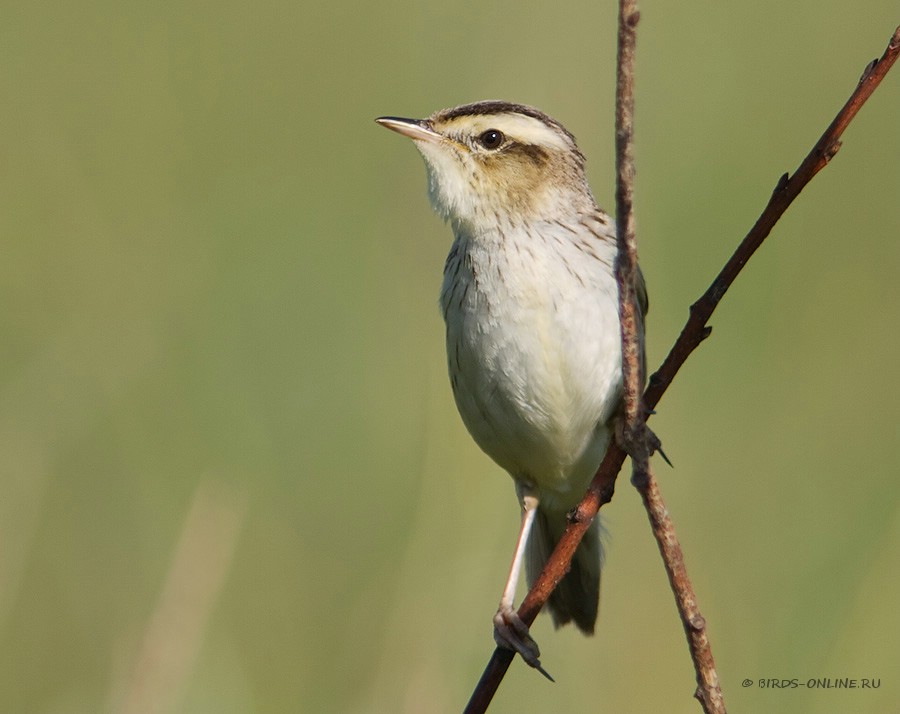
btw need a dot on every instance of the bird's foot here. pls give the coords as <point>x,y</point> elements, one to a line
<point>513,634</point>
<point>628,441</point>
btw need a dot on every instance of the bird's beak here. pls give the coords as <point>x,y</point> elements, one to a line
<point>415,129</point>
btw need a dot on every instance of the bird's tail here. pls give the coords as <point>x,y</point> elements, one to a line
<point>577,596</point>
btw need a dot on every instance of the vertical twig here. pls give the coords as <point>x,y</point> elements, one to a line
<point>627,262</point>
<point>708,691</point>
<point>635,433</point>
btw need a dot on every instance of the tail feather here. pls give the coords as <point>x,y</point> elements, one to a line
<point>577,597</point>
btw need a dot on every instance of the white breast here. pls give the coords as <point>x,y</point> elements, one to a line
<point>534,350</point>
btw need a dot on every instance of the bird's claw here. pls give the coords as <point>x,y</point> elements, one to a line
<point>626,441</point>
<point>513,634</point>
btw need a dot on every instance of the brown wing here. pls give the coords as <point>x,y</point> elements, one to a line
<point>641,290</point>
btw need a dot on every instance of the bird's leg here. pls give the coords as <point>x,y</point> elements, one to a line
<point>509,630</point>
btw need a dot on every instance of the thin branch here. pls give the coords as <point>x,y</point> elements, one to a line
<point>694,332</point>
<point>627,262</point>
<point>787,189</point>
<point>635,434</point>
<point>708,691</point>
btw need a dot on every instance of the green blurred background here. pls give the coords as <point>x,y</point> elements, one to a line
<point>232,476</point>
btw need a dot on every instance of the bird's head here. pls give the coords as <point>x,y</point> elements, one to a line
<point>495,161</point>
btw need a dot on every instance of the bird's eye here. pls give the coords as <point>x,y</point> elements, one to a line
<point>491,139</point>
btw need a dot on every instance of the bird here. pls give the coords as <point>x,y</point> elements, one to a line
<point>530,304</point>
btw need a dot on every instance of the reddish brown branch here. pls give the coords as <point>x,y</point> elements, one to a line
<point>627,261</point>
<point>635,434</point>
<point>694,332</point>
<point>787,189</point>
<point>708,691</point>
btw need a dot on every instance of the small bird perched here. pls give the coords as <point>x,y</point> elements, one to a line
<point>530,303</point>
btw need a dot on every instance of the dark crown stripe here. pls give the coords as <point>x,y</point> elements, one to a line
<point>496,106</point>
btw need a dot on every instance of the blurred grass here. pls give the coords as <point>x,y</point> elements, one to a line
<point>219,273</point>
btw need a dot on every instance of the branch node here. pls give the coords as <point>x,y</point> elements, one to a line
<point>698,622</point>
<point>782,183</point>
<point>828,154</point>
<point>640,479</point>
<point>706,332</point>
<point>868,70</point>
<point>579,514</point>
